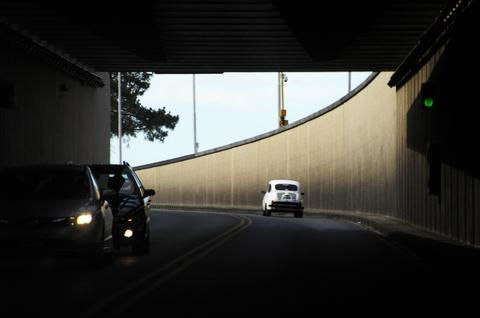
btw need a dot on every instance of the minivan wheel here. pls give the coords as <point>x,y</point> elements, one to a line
<point>141,245</point>
<point>116,243</point>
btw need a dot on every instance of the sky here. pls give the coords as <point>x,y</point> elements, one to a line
<point>230,107</point>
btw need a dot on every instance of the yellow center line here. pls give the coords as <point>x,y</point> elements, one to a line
<point>161,275</point>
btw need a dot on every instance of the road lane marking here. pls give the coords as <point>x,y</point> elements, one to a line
<point>126,297</point>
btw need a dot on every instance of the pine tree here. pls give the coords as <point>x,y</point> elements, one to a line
<point>137,118</point>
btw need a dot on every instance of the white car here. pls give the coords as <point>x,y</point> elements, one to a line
<point>283,196</point>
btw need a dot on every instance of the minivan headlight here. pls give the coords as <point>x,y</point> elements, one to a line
<point>85,218</point>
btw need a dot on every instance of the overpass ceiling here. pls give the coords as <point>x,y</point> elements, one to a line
<point>209,36</point>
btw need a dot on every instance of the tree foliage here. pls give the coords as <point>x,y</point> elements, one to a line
<point>137,118</point>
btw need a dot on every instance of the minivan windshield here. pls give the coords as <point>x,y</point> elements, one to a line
<point>45,184</point>
<point>113,178</point>
<point>283,187</point>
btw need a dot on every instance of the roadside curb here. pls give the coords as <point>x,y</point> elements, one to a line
<point>426,245</point>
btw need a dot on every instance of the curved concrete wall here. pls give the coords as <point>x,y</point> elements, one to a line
<point>344,158</point>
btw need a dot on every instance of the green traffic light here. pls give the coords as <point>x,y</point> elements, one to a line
<point>428,102</point>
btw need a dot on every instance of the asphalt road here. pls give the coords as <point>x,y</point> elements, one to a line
<point>238,265</point>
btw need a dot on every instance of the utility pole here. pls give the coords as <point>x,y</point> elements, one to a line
<point>281,100</point>
<point>279,78</point>
<point>195,144</point>
<point>120,117</point>
<point>349,82</point>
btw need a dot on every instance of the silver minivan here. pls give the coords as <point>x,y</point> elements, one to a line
<point>55,209</point>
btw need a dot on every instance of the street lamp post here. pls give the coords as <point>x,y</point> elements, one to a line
<point>195,144</point>
<point>282,112</point>
<point>279,98</point>
<point>349,82</point>
<point>120,117</point>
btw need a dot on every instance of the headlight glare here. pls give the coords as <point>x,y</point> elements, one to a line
<point>84,219</point>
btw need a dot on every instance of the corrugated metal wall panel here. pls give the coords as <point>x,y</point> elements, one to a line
<point>476,210</point>
<point>454,213</point>
<point>48,124</point>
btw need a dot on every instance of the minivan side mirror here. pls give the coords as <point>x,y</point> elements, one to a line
<point>148,193</point>
<point>263,192</point>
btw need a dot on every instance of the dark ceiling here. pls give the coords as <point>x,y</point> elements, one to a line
<point>207,36</point>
